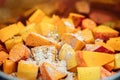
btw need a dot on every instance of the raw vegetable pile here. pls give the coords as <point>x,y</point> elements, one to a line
<point>54,48</point>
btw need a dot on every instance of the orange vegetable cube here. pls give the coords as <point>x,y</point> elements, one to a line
<point>49,72</point>
<point>9,66</point>
<point>73,40</point>
<point>3,57</point>
<point>19,52</point>
<point>37,16</point>
<point>87,36</point>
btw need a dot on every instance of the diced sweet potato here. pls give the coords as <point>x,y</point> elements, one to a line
<point>88,24</point>
<point>104,32</point>
<point>73,40</point>
<point>29,28</point>
<point>9,31</point>
<point>49,72</point>
<point>3,56</point>
<point>19,52</point>
<point>11,42</point>
<point>68,54</point>
<point>96,58</point>
<point>37,16</point>
<point>114,43</point>
<point>34,39</point>
<point>9,66</point>
<point>110,66</point>
<point>77,18</point>
<point>27,70</point>
<point>87,36</point>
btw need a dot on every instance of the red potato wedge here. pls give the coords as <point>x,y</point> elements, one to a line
<point>49,72</point>
<point>19,52</point>
<point>3,57</point>
<point>99,48</point>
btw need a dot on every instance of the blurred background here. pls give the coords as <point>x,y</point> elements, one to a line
<point>12,11</point>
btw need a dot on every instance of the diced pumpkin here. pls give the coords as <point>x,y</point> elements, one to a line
<point>37,16</point>
<point>73,40</point>
<point>88,73</point>
<point>110,66</point>
<point>27,70</point>
<point>29,28</point>
<point>3,57</point>
<point>11,42</point>
<point>96,58</point>
<point>34,39</point>
<point>117,61</point>
<point>68,54</point>
<point>9,31</point>
<point>104,32</point>
<point>49,72</point>
<point>19,52</point>
<point>114,43</point>
<point>87,36</point>
<point>9,66</point>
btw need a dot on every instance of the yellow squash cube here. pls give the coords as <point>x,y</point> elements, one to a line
<point>11,42</point>
<point>27,70</point>
<point>88,73</point>
<point>117,61</point>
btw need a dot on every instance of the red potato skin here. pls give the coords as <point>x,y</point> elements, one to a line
<point>98,48</point>
<point>103,49</point>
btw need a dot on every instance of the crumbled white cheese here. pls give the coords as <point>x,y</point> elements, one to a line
<point>78,36</point>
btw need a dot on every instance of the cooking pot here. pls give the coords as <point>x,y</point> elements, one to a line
<point>12,11</point>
